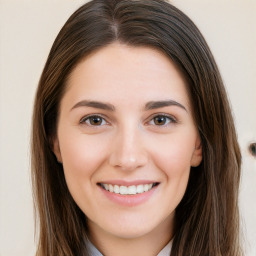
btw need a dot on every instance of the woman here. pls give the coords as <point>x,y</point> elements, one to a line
<point>134,150</point>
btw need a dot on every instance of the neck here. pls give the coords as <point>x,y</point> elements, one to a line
<point>149,244</point>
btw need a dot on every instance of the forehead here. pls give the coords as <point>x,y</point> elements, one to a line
<point>122,72</point>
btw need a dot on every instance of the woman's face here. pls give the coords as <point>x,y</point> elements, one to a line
<point>127,139</point>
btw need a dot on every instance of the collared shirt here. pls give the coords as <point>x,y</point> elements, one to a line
<point>166,251</point>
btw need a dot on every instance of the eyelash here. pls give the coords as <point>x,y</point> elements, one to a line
<point>167,117</point>
<point>172,120</point>
<point>86,118</point>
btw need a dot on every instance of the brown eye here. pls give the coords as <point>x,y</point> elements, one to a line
<point>162,120</point>
<point>94,121</point>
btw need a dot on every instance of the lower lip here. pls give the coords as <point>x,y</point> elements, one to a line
<point>129,200</point>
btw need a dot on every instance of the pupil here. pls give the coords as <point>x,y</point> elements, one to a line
<point>96,120</point>
<point>160,120</point>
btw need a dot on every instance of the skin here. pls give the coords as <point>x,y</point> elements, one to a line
<point>127,144</point>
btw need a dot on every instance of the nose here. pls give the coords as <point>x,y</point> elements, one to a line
<point>128,151</point>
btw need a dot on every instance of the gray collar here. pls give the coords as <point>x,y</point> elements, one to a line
<point>166,251</point>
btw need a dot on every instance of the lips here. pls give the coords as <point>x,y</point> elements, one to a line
<point>128,190</point>
<point>129,193</point>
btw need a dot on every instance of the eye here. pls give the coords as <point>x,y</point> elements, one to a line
<point>161,120</point>
<point>93,120</point>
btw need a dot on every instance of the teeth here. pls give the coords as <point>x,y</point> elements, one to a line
<point>116,189</point>
<point>130,190</point>
<point>146,187</point>
<point>140,189</point>
<point>110,188</point>
<point>123,190</point>
<point>106,186</point>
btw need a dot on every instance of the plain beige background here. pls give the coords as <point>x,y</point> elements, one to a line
<point>27,31</point>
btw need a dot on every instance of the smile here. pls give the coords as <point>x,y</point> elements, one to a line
<point>128,190</point>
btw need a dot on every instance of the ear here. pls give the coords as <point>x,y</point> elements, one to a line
<point>56,149</point>
<point>197,154</point>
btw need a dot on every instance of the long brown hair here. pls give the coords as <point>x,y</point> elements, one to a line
<point>207,218</point>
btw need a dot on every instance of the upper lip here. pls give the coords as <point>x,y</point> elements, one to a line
<point>127,183</point>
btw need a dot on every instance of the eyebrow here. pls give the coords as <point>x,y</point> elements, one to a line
<point>107,106</point>
<point>94,104</point>
<point>165,103</point>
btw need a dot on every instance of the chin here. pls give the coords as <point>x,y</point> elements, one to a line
<point>131,228</point>
<point>130,232</point>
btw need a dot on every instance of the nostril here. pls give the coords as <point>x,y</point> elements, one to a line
<point>128,161</point>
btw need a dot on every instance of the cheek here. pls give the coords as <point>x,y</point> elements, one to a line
<point>81,154</point>
<point>173,154</point>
